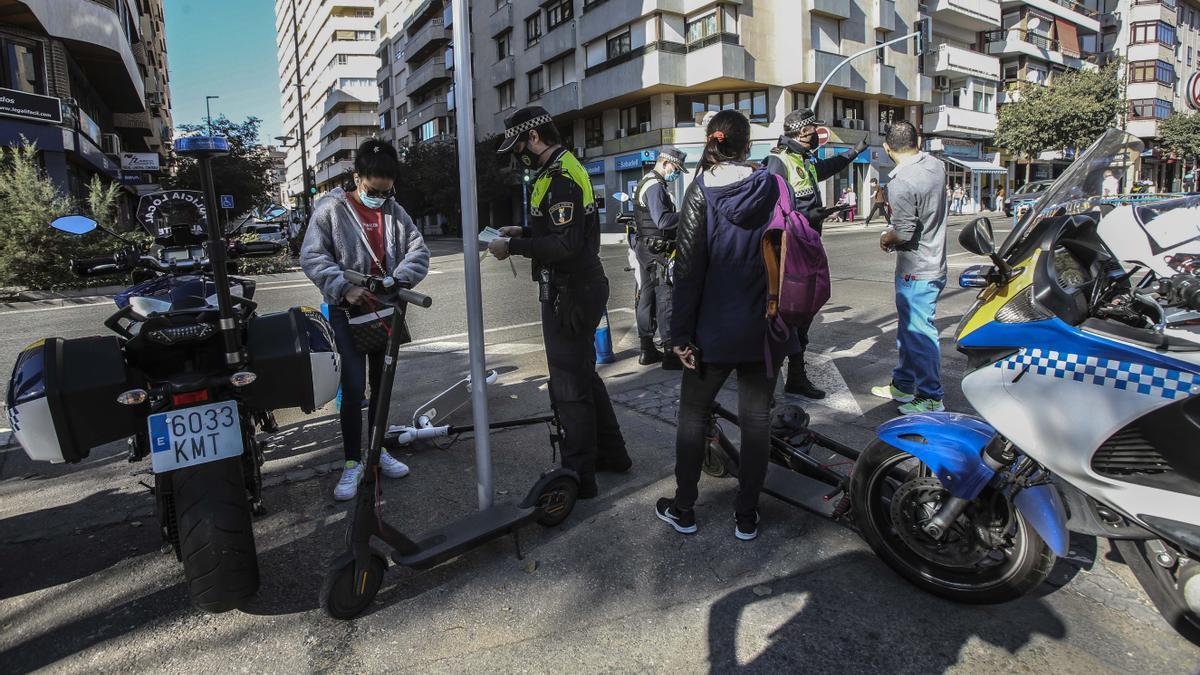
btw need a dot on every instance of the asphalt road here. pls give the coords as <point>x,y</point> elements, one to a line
<point>84,585</point>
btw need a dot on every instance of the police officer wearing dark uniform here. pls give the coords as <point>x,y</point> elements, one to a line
<point>793,159</point>
<point>654,242</point>
<point>563,239</point>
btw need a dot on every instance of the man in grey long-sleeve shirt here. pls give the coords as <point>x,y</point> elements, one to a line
<point>918,237</point>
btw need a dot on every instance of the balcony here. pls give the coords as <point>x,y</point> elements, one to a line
<point>1016,41</point>
<point>335,171</point>
<point>433,35</point>
<point>429,111</point>
<point>349,119</point>
<point>823,63</point>
<point>885,80</point>
<point>715,58</point>
<point>427,77</point>
<point>954,61</point>
<point>562,100</point>
<point>1151,11</point>
<point>885,15</point>
<point>966,15</point>
<point>655,64</point>
<point>503,71</point>
<point>1076,12</point>
<point>648,139</point>
<point>557,42</point>
<point>343,144</point>
<point>959,122</point>
<point>838,9</point>
<point>500,21</point>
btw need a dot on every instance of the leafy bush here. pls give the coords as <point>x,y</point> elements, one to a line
<point>280,262</point>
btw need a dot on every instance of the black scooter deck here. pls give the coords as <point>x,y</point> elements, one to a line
<point>798,490</point>
<point>456,538</point>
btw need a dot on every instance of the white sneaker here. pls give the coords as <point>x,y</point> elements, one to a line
<point>347,486</point>
<point>392,467</point>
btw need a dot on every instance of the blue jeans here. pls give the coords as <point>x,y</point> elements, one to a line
<point>355,373</point>
<point>920,366</point>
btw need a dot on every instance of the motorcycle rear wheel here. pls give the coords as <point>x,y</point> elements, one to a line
<point>216,534</point>
<point>1000,574</point>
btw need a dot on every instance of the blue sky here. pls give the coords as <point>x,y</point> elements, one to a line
<point>224,48</point>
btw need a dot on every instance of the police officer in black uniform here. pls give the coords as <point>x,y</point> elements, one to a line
<point>563,239</point>
<point>794,158</point>
<point>654,242</point>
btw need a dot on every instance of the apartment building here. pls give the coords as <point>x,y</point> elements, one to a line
<point>626,77</point>
<point>1159,42</point>
<point>416,75</point>
<point>338,99</point>
<point>87,81</point>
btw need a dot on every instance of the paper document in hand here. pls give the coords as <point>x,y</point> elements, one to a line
<point>488,234</point>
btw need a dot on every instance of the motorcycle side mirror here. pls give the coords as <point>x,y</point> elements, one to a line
<point>77,225</point>
<point>975,276</point>
<point>977,237</point>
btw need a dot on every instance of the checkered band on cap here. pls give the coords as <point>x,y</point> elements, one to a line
<point>798,120</point>
<point>527,125</point>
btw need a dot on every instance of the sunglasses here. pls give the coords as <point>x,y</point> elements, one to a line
<point>380,194</point>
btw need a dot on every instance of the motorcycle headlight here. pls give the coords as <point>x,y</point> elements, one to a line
<point>1022,309</point>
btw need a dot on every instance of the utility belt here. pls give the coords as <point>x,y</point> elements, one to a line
<point>551,281</point>
<point>658,245</point>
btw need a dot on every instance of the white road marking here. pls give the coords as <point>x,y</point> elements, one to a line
<point>497,329</point>
<point>60,307</point>
<point>503,348</point>
<point>825,374</point>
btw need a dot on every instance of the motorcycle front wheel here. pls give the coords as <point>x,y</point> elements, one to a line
<point>216,534</point>
<point>989,554</point>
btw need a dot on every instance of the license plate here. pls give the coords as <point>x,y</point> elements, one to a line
<point>192,436</point>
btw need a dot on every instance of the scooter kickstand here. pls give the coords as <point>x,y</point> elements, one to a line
<point>516,536</point>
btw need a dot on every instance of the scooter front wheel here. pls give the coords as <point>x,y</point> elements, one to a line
<point>557,500</point>
<point>346,593</point>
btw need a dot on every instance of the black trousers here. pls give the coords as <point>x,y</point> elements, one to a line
<point>699,390</point>
<point>590,427</point>
<point>654,296</point>
<point>357,370</point>
<point>879,208</point>
<point>795,362</point>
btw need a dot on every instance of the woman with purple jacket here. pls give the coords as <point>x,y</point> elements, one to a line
<point>719,317</point>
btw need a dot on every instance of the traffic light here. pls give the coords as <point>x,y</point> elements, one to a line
<point>923,28</point>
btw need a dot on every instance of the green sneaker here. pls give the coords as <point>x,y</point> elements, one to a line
<point>892,394</point>
<point>922,405</point>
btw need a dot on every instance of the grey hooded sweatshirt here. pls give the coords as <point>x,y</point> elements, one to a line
<point>333,243</point>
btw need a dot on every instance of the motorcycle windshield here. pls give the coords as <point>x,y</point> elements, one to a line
<point>1107,163</point>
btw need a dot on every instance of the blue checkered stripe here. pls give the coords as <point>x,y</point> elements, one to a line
<point>1140,378</point>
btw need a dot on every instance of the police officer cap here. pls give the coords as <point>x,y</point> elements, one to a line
<point>517,126</point>
<point>674,156</point>
<point>798,119</point>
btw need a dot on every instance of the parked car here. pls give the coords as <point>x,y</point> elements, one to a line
<point>1030,191</point>
<point>265,231</point>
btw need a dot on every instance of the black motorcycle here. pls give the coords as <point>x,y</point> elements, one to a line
<point>190,376</point>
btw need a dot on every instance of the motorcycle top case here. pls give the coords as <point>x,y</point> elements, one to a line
<point>62,398</point>
<point>294,355</point>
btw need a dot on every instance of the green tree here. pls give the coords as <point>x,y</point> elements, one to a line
<point>429,180</point>
<point>244,173</point>
<point>1181,134</point>
<point>1076,108</point>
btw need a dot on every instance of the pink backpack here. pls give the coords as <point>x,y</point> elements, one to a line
<point>797,267</point>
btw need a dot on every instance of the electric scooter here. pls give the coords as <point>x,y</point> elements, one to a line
<point>354,579</point>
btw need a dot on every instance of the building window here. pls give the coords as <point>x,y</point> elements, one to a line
<point>619,44</point>
<point>983,101</point>
<point>1150,108</point>
<point>848,109</point>
<point>1145,32</point>
<point>801,99</point>
<point>561,71</point>
<point>506,96</point>
<point>558,13</point>
<point>690,109</point>
<point>385,120</point>
<point>364,35</point>
<point>699,29</point>
<point>1152,71</point>
<point>427,130</point>
<point>1189,59</point>
<point>635,118</point>
<point>24,69</point>
<point>889,114</point>
<point>342,59</point>
<point>593,132</point>
<point>535,84</point>
<point>533,29</point>
<point>504,45</point>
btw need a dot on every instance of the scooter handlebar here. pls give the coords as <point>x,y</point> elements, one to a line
<point>379,285</point>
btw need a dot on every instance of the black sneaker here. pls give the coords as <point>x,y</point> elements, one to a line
<point>682,520</point>
<point>747,526</point>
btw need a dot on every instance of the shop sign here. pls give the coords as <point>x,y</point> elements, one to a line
<point>28,106</point>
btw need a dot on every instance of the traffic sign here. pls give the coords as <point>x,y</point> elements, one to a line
<point>227,201</point>
<point>822,135</point>
<point>1192,93</point>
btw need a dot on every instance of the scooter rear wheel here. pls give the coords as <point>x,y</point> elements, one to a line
<point>557,500</point>
<point>344,594</point>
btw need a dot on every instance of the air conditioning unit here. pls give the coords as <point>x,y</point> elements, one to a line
<point>621,133</point>
<point>110,144</point>
<point>941,83</point>
<point>644,127</point>
<point>861,125</point>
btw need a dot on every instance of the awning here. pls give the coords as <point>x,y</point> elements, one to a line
<point>975,166</point>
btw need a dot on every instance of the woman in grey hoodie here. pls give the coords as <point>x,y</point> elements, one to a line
<point>365,231</point>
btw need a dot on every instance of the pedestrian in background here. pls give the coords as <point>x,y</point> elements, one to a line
<point>918,238</point>
<point>851,199</point>
<point>363,231</point>
<point>1000,195</point>
<point>878,203</point>
<point>956,200</point>
<point>718,322</point>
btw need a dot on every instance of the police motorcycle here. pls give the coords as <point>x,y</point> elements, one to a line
<point>192,372</point>
<point>1084,355</point>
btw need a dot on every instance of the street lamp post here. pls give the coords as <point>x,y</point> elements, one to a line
<point>304,199</point>
<point>208,109</point>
